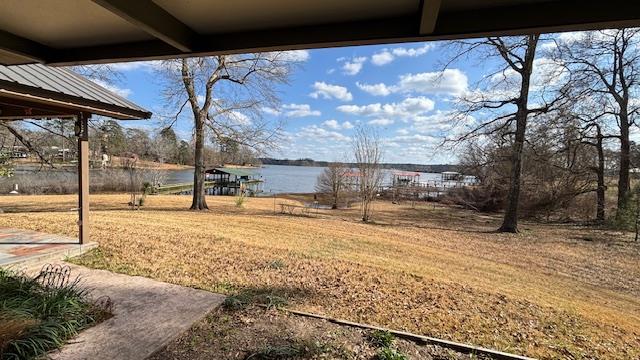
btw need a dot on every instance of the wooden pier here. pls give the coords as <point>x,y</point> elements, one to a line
<point>405,185</point>
<point>219,181</point>
<point>183,188</point>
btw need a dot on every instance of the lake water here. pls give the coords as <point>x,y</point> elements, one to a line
<point>283,178</point>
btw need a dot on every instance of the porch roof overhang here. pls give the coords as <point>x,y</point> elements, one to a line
<point>38,91</point>
<point>66,32</point>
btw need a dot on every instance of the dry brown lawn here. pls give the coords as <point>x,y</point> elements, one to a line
<point>553,291</point>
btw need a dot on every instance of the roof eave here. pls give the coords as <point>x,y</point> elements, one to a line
<point>16,90</point>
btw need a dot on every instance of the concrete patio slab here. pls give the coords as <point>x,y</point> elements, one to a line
<point>24,248</point>
<point>148,314</point>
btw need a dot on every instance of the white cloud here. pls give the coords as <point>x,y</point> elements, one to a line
<point>449,81</point>
<point>386,56</point>
<point>297,55</point>
<point>440,121</point>
<point>271,111</point>
<point>404,110</point>
<point>332,124</point>
<point>547,72</point>
<point>113,88</point>
<point>238,118</point>
<point>381,122</point>
<point>379,89</point>
<point>294,55</point>
<point>353,66</point>
<point>412,52</point>
<point>382,58</point>
<point>424,140</point>
<point>571,37</point>
<point>316,133</point>
<point>299,110</point>
<point>335,125</point>
<point>329,91</point>
<point>347,125</point>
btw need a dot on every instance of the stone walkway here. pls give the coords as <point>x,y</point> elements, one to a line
<point>19,248</point>
<point>148,314</point>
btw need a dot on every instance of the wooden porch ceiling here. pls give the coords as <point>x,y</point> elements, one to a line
<point>67,32</point>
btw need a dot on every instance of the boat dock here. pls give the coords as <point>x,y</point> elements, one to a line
<point>219,181</point>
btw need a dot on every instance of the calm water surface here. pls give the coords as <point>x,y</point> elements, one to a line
<point>282,178</point>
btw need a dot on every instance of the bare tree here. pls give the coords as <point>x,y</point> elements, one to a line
<point>594,132</point>
<point>605,65</point>
<point>333,182</point>
<point>225,94</point>
<point>506,103</point>
<point>367,150</point>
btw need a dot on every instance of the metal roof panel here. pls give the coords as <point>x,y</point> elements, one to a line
<point>67,83</point>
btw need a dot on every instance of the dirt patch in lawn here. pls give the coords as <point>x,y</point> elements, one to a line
<point>258,333</point>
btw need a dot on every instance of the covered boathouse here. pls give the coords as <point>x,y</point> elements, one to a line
<point>231,180</point>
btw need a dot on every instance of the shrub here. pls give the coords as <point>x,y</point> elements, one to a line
<point>240,200</point>
<point>35,319</point>
<point>66,181</point>
<point>626,217</point>
<point>480,198</point>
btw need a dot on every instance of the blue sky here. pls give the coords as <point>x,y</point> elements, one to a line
<point>397,89</point>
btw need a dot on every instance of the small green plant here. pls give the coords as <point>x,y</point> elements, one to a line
<point>277,264</point>
<point>235,302</point>
<point>390,354</point>
<point>270,352</point>
<point>240,199</point>
<point>627,217</point>
<point>381,338</point>
<point>147,188</point>
<point>244,299</point>
<point>35,318</point>
<point>297,349</point>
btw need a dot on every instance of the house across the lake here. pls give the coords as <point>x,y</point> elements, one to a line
<point>231,180</point>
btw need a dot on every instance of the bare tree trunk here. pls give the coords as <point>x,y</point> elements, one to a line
<point>623,176</point>
<point>199,202</point>
<point>600,192</point>
<point>510,221</point>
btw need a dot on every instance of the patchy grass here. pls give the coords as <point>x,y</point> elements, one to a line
<point>248,297</point>
<point>546,292</point>
<point>390,354</point>
<point>254,333</point>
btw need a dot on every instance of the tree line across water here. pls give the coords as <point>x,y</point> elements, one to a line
<point>436,168</point>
